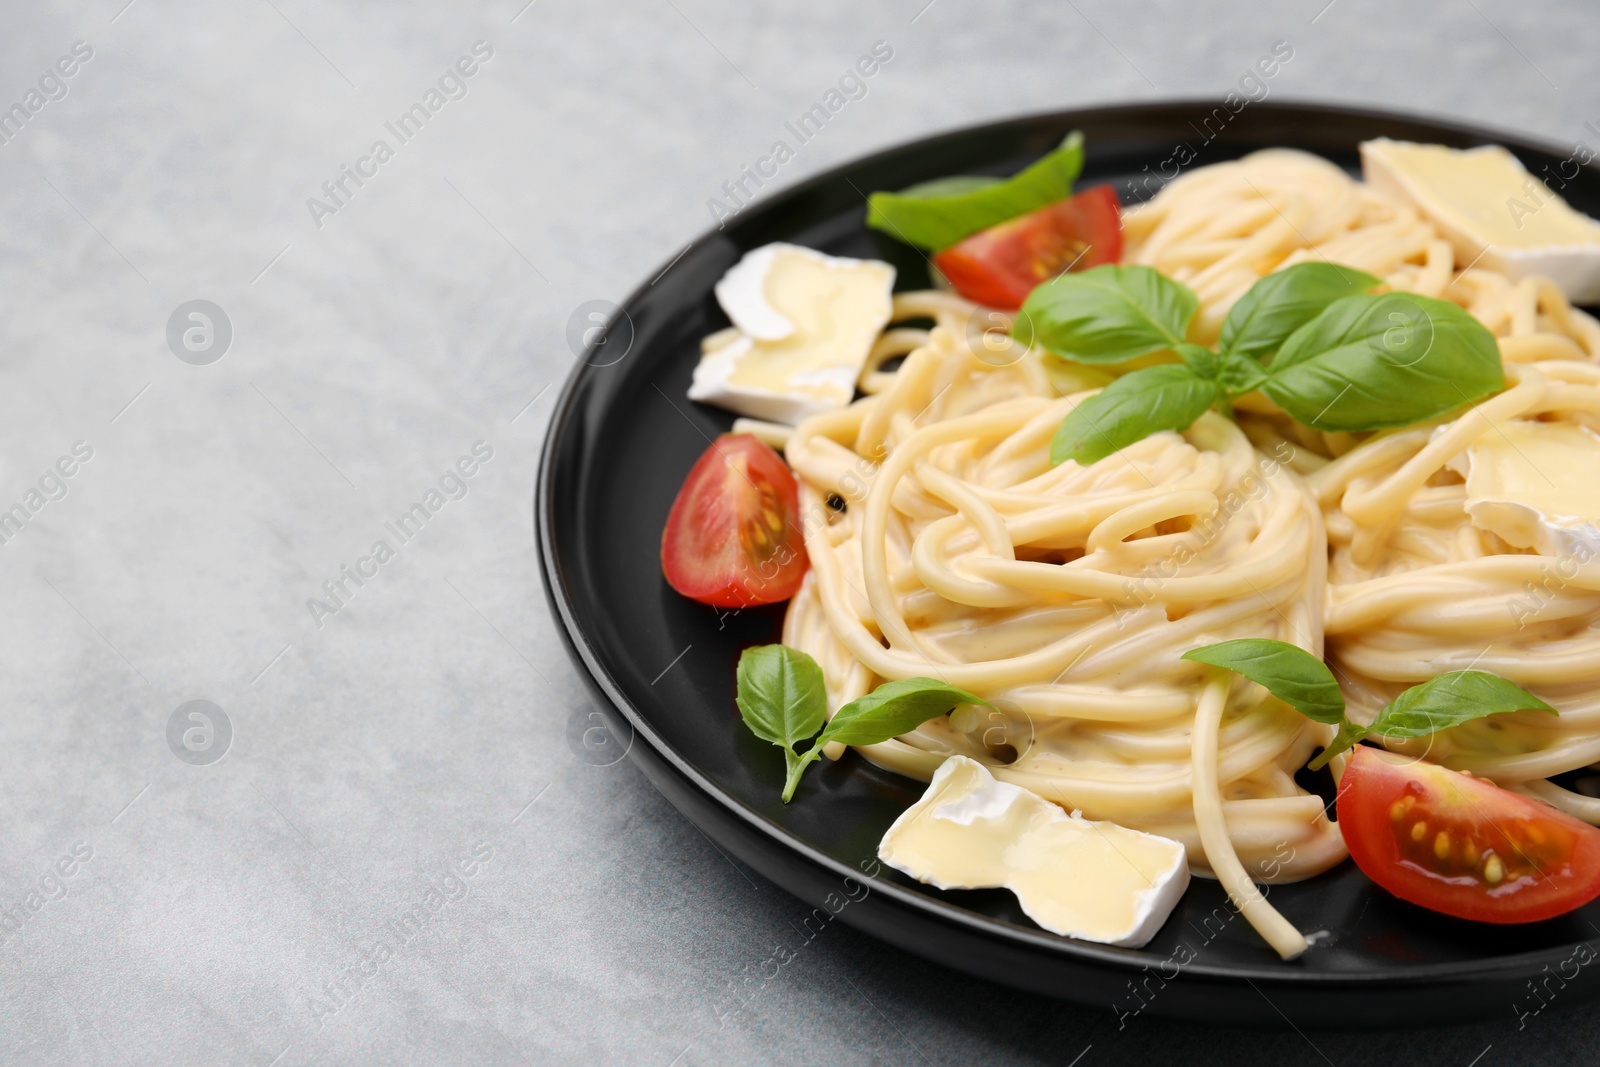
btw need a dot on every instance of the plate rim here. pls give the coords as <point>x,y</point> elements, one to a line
<point>580,644</point>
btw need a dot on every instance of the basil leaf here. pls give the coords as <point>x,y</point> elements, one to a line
<point>1446,701</point>
<point>1450,700</point>
<point>1289,672</point>
<point>1282,302</point>
<point>955,185</point>
<point>1106,314</point>
<point>934,216</point>
<point>1372,362</point>
<point>780,694</point>
<point>892,709</point>
<point>1136,405</point>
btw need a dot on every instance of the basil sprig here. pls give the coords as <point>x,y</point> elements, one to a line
<point>1310,337</point>
<point>782,700</point>
<point>935,215</point>
<point>781,697</point>
<point>1304,682</point>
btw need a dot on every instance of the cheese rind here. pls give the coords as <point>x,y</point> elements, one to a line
<point>742,292</point>
<point>1091,880</point>
<point>804,324</point>
<point>1534,485</point>
<point>1492,211</point>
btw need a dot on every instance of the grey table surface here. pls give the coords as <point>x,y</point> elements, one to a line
<point>402,750</point>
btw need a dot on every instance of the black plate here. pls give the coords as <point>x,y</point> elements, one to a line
<point>621,440</point>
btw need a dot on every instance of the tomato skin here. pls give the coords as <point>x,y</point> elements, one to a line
<point>1528,861</point>
<point>1000,266</point>
<point>733,537</point>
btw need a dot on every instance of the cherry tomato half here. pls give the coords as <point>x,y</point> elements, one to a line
<point>1461,845</point>
<point>733,536</point>
<point>1000,266</point>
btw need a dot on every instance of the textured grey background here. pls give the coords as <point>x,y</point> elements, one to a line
<point>225,912</point>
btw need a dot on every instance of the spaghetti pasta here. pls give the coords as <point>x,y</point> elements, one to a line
<point>1063,595</point>
<point>944,543</point>
<point>1415,589</point>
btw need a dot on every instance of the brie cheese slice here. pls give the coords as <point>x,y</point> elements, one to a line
<point>1092,880</point>
<point>804,324</point>
<point>1535,485</point>
<point>1492,210</point>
